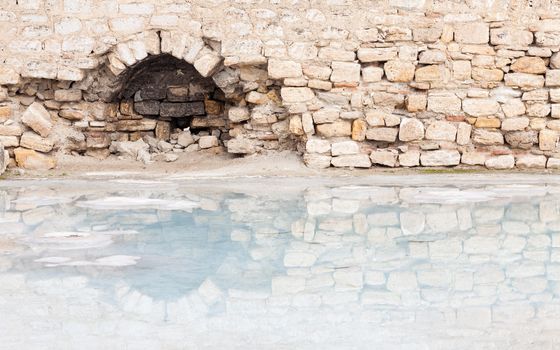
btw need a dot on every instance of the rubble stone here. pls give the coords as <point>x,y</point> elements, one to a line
<point>38,119</point>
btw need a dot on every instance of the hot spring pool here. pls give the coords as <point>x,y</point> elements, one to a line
<point>279,264</point>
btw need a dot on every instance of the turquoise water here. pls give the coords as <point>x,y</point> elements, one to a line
<point>279,264</point>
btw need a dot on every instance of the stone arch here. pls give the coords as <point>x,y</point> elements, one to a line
<point>194,50</point>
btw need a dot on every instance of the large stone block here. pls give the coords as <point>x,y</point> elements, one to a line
<point>487,137</point>
<point>147,107</point>
<point>35,142</point>
<point>527,64</point>
<point>480,107</point>
<point>384,157</point>
<point>514,124</point>
<point>296,94</point>
<point>432,73</point>
<point>441,131</point>
<point>344,147</point>
<point>317,161</point>
<point>548,140</point>
<point>345,72</point>
<point>337,129</point>
<point>411,129</point>
<point>500,162</point>
<point>472,33</point>
<point>181,109</point>
<point>315,145</point>
<point>377,54</point>
<point>524,80</point>
<point>241,146</point>
<point>38,119</point>
<point>353,161</point>
<point>531,161</point>
<point>512,37</point>
<point>33,160</point>
<point>326,115</point>
<point>280,69</point>
<point>440,158</point>
<point>522,139</point>
<point>399,71</point>
<point>553,77</point>
<point>445,103</point>
<point>382,134</point>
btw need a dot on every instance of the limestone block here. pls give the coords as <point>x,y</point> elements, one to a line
<point>513,107</point>
<point>326,115</point>
<point>337,129</point>
<point>208,142</point>
<point>136,125</point>
<point>524,80</point>
<point>487,122</point>
<point>427,35</point>
<point>510,37</point>
<point>399,71</point>
<point>411,129</point>
<point>555,111</point>
<point>548,140</point>
<point>377,54</point>
<point>317,161</point>
<point>147,107</point>
<point>372,74</point>
<point>127,25</point>
<point>296,94</point>
<point>307,123</point>
<point>553,77</point>
<point>527,64</point>
<point>486,74</point>
<point>336,54</point>
<point>392,120</point>
<point>38,118</point>
<point>319,84</point>
<point>513,124</point>
<point>474,158</point>
<point>555,61</point>
<point>445,103</point>
<point>410,158</point>
<point>384,157</point>
<point>463,134</point>
<point>344,147</point>
<point>353,160</point>
<point>376,117</point>
<point>207,64</point>
<point>440,158</point>
<point>432,73</point>
<point>531,161</point>
<point>480,107</point>
<point>416,102</point>
<point>35,142</point>
<point>500,162</point>
<point>279,69</point>
<point>8,76</point>
<point>315,145</point>
<point>33,160</point>
<point>238,114</point>
<point>11,130</point>
<point>163,130</point>
<point>296,125</point>
<point>539,95</point>
<point>382,134</point>
<point>9,141</point>
<point>316,72</point>
<point>441,131</point>
<point>522,139</point>
<point>359,128</point>
<point>472,33</point>
<point>553,163</point>
<point>185,138</point>
<point>487,137</point>
<point>241,146</point>
<point>432,57</point>
<point>461,70</point>
<point>345,72</point>
<point>537,109</point>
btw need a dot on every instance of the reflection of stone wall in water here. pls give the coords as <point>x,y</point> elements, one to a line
<point>470,259</point>
<point>410,83</point>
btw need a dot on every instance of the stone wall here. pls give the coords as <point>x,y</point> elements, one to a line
<point>348,83</point>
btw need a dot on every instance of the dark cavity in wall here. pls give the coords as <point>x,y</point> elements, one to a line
<point>170,90</point>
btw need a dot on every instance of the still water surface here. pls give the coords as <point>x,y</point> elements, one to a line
<point>278,264</point>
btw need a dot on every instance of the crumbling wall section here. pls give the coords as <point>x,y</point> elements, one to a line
<point>353,83</point>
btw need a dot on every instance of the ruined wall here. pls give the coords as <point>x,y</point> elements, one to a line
<point>345,82</point>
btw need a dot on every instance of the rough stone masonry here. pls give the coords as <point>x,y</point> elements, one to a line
<point>347,83</point>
